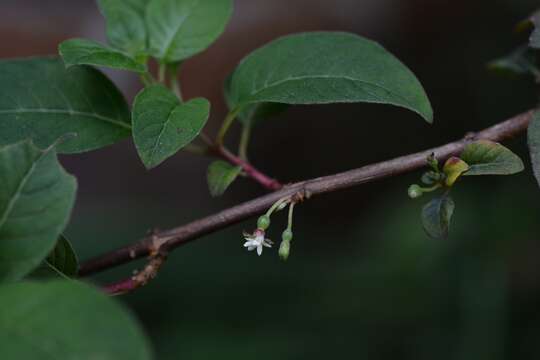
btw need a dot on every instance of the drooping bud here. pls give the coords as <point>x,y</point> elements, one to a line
<point>284,250</point>
<point>263,222</point>
<point>415,191</point>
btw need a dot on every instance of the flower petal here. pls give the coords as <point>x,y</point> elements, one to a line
<point>259,250</point>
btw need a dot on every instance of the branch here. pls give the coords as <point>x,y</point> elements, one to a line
<point>174,238</point>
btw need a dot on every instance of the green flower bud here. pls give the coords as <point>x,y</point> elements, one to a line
<point>287,235</point>
<point>284,250</point>
<point>415,191</point>
<point>264,222</point>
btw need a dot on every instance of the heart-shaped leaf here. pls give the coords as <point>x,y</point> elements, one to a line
<point>42,100</point>
<point>162,125</point>
<point>36,198</point>
<point>220,176</point>
<point>436,216</point>
<point>67,320</point>
<point>179,29</point>
<point>87,52</point>
<point>533,135</point>
<point>326,67</point>
<point>490,158</point>
<point>126,28</point>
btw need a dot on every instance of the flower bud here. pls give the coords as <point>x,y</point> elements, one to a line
<point>415,191</point>
<point>287,235</point>
<point>284,250</point>
<point>264,222</point>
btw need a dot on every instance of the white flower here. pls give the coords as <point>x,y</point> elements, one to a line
<point>257,241</point>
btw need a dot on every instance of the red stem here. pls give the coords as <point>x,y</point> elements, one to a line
<point>250,170</point>
<point>121,287</point>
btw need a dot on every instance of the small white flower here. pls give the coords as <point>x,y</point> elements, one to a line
<point>257,241</point>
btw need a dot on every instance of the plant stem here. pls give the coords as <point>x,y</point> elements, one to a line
<point>250,170</point>
<point>162,72</point>
<point>182,235</point>
<point>291,211</point>
<point>175,84</point>
<point>244,142</point>
<point>229,119</point>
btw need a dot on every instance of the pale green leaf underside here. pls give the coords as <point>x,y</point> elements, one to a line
<point>66,320</point>
<point>36,198</point>
<point>533,135</point>
<point>179,29</point>
<point>42,100</point>
<point>436,217</point>
<point>87,52</point>
<point>220,176</point>
<point>126,28</point>
<point>490,158</point>
<point>162,125</point>
<point>326,67</point>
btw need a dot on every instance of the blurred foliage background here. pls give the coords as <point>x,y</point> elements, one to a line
<point>363,280</point>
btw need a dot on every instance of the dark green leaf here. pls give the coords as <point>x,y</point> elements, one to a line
<point>179,29</point>
<point>87,52</point>
<point>254,113</point>
<point>326,67</point>
<point>533,135</point>
<point>162,125</point>
<point>126,28</point>
<point>436,216</point>
<point>66,320</point>
<point>490,158</point>
<point>42,100</point>
<point>220,176</point>
<point>36,197</point>
<point>522,61</point>
<point>63,258</point>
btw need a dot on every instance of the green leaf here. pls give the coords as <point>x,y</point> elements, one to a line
<point>126,28</point>
<point>490,158</point>
<point>220,176</point>
<point>42,100</point>
<point>67,320</point>
<point>522,61</point>
<point>63,258</point>
<point>179,29</point>
<point>61,262</point>
<point>436,216</point>
<point>254,113</point>
<point>162,125</point>
<point>87,52</point>
<point>453,169</point>
<point>326,67</point>
<point>533,135</point>
<point>36,198</point>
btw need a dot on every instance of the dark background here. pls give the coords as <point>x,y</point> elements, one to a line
<point>363,280</point>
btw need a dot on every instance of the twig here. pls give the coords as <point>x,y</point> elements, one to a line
<point>179,236</point>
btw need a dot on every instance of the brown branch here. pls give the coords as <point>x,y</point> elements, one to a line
<point>179,236</point>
